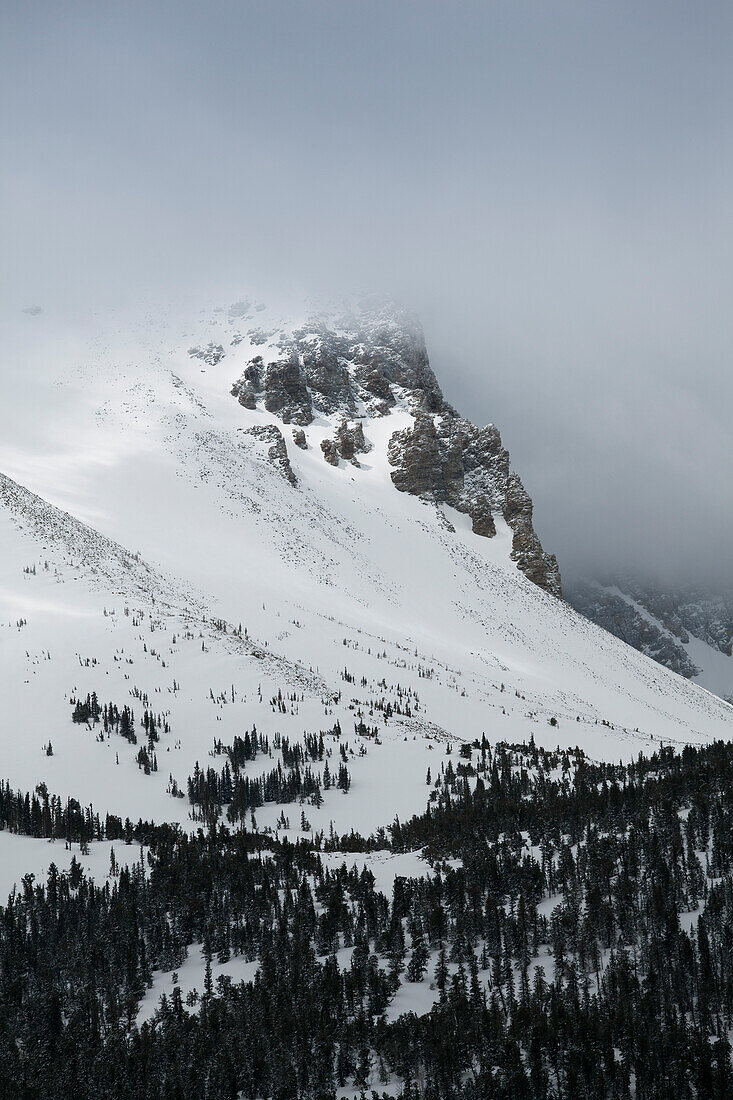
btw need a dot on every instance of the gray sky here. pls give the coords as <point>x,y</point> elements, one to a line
<point>549,184</point>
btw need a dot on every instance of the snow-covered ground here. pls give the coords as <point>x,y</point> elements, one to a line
<point>23,855</point>
<point>190,978</point>
<point>348,592</point>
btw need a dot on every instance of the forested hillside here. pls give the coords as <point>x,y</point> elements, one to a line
<point>570,939</point>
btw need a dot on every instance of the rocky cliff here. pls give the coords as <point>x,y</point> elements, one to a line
<point>361,364</point>
<point>619,616</point>
<point>665,622</point>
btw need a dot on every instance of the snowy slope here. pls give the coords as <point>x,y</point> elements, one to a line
<point>348,592</point>
<point>692,638</point>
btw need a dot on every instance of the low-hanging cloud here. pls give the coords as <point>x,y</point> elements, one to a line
<point>548,185</point>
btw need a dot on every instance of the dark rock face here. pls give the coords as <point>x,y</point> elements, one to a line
<point>247,388</point>
<point>330,451</point>
<point>286,393</point>
<point>375,357</point>
<point>687,610</point>
<point>280,384</point>
<point>391,357</point>
<point>323,355</point>
<point>481,469</point>
<point>370,377</point>
<point>277,452</point>
<point>299,439</point>
<point>625,605</point>
<point>367,361</point>
<point>347,443</point>
<point>526,547</point>
<point>619,617</point>
<point>415,454</point>
<point>467,468</point>
<point>350,440</point>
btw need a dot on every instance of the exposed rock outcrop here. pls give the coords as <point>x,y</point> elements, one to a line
<point>367,361</point>
<point>527,550</point>
<point>277,452</point>
<point>247,388</point>
<point>686,610</point>
<point>280,385</point>
<point>324,355</point>
<point>615,614</point>
<point>391,360</point>
<point>211,354</point>
<point>350,440</point>
<point>660,620</point>
<point>415,454</point>
<point>299,439</point>
<point>330,365</point>
<point>330,451</point>
<point>286,392</point>
<point>347,443</point>
<point>450,461</point>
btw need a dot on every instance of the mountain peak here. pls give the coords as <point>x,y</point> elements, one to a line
<point>360,364</point>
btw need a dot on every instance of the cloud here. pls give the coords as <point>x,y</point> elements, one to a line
<point>547,184</point>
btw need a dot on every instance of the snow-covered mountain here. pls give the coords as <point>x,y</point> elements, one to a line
<point>688,629</point>
<point>281,524</point>
<point>256,571</point>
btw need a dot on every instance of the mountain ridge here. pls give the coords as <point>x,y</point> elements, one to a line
<point>362,364</point>
<point>316,672</point>
<point>687,628</point>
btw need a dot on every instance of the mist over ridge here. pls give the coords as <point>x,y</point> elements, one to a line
<point>548,191</point>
